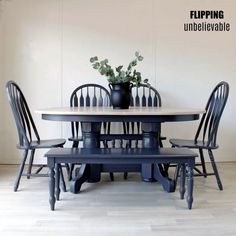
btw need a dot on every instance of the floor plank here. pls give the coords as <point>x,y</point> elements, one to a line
<point>117,208</point>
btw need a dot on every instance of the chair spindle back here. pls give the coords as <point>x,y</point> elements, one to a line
<point>210,120</point>
<point>21,112</point>
<point>88,95</point>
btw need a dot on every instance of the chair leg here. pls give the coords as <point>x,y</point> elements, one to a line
<point>30,163</point>
<point>176,175</point>
<point>203,163</point>
<point>166,168</point>
<point>75,144</point>
<point>161,143</point>
<point>125,175</point>
<point>72,166</point>
<point>111,176</point>
<point>17,182</point>
<point>215,169</point>
<point>63,184</point>
<point>67,168</point>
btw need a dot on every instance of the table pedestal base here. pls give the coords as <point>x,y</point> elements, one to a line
<point>149,172</point>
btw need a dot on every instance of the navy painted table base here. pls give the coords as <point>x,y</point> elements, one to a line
<point>92,172</point>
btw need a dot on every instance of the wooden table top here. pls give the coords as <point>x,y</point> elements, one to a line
<point>109,111</point>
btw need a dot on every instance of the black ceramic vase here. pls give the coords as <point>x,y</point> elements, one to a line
<point>121,95</point>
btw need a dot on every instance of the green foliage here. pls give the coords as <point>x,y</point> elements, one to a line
<point>119,75</point>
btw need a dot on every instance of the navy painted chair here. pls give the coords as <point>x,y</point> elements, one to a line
<point>88,95</point>
<point>205,138</point>
<point>29,139</point>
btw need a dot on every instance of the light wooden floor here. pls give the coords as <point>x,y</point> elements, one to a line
<point>118,208</point>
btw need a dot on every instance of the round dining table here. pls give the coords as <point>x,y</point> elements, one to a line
<point>91,119</point>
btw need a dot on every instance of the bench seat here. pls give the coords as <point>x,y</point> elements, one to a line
<point>181,156</point>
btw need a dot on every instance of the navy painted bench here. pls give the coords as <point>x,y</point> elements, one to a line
<point>181,156</point>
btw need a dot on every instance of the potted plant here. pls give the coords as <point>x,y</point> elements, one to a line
<point>120,80</point>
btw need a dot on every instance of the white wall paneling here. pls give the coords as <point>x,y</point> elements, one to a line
<point>46,45</point>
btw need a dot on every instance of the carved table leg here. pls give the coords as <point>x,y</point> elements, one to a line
<point>150,140</point>
<point>150,172</point>
<point>62,180</point>
<point>81,176</point>
<point>87,172</point>
<point>167,183</point>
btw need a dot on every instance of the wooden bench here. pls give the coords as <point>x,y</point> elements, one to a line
<point>181,156</point>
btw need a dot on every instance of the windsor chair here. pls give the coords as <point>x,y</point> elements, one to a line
<point>29,139</point>
<point>206,135</point>
<point>88,95</point>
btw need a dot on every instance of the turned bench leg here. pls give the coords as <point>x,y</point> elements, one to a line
<point>52,198</point>
<point>190,186</point>
<point>182,181</point>
<point>189,183</point>
<point>52,183</point>
<point>57,182</point>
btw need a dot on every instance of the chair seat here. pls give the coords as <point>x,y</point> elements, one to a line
<point>190,144</point>
<point>47,143</point>
<point>76,138</point>
<point>163,138</point>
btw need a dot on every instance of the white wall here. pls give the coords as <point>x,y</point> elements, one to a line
<point>46,45</point>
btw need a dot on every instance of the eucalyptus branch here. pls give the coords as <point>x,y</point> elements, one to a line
<point>118,75</point>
